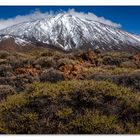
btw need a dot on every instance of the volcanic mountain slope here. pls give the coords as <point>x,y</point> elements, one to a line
<point>13,43</point>
<point>69,32</point>
<point>16,44</point>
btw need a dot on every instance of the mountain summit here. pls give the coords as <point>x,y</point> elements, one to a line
<point>70,32</point>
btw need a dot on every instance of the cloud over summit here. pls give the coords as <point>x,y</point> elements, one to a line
<point>92,16</point>
<point>37,15</point>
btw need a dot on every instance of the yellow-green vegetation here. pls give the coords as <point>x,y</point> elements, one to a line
<point>64,113</point>
<point>109,71</point>
<point>16,100</point>
<point>93,122</point>
<point>91,107</point>
<point>51,92</point>
<point>6,90</point>
<point>24,123</point>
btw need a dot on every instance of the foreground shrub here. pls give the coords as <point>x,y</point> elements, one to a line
<point>71,107</point>
<point>54,105</point>
<point>95,123</point>
<point>47,53</point>
<point>64,61</point>
<point>4,54</point>
<point>128,64</point>
<point>109,60</point>
<point>116,58</point>
<point>5,70</point>
<point>24,123</point>
<point>20,81</point>
<point>16,100</point>
<point>51,75</point>
<point>131,80</point>
<point>17,62</point>
<point>45,62</point>
<point>6,90</point>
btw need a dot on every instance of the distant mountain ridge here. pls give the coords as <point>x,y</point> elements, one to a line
<point>68,32</point>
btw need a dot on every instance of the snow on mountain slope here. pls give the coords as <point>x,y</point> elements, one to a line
<point>69,32</point>
<point>17,40</point>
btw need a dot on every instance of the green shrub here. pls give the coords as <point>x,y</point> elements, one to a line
<point>115,58</point>
<point>45,62</point>
<point>64,61</point>
<point>4,54</point>
<point>6,90</point>
<point>121,77</point>
<point>109,60</point>
<point>47,53</point>
<point>90,107</point>
<point>131,128</point>
<point>5,70</point>
<point>16,100</point>
<point>3,61</point>
<point>95,123</point>
<point>21,80</point>
<point>128,64</point>
<point>51,75</point>
<point>24,123</point>
<point>64,113</point>
<point>43,102</point>
<point>137,63</point>
<point>17,62</point>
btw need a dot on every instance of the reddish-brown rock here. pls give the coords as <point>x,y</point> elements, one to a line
<point>27,70</point>
<point>71,71</point>
<point>89,56</point>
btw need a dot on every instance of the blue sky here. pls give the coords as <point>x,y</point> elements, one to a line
<point>127,16</point>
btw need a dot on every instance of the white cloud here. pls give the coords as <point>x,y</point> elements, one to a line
<point>92,16</point>
<point>37,15</point>
<point>23,18</point>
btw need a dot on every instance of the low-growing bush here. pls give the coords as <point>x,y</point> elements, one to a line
<point>71,107</point>
<point>22,80</point>
<point>6,90</point>
<point>24,123</point>
<point>96,123</point>
<point>36,98</point>
<point>45,62</point>
<point>3,61</point>
<point>128,64</point>
<point>116,58</point>
<point>109,60</point>
<point>4,54</point>
<point>65,61</point>
<point>131,80</point>
<point>16,62</point>
<point>51,75</point>
<point>47,53</point>
<point>5,70</point>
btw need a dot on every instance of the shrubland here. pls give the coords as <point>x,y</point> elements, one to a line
<point>51,92</point>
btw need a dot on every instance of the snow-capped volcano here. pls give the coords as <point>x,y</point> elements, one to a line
<point>71,32</point>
